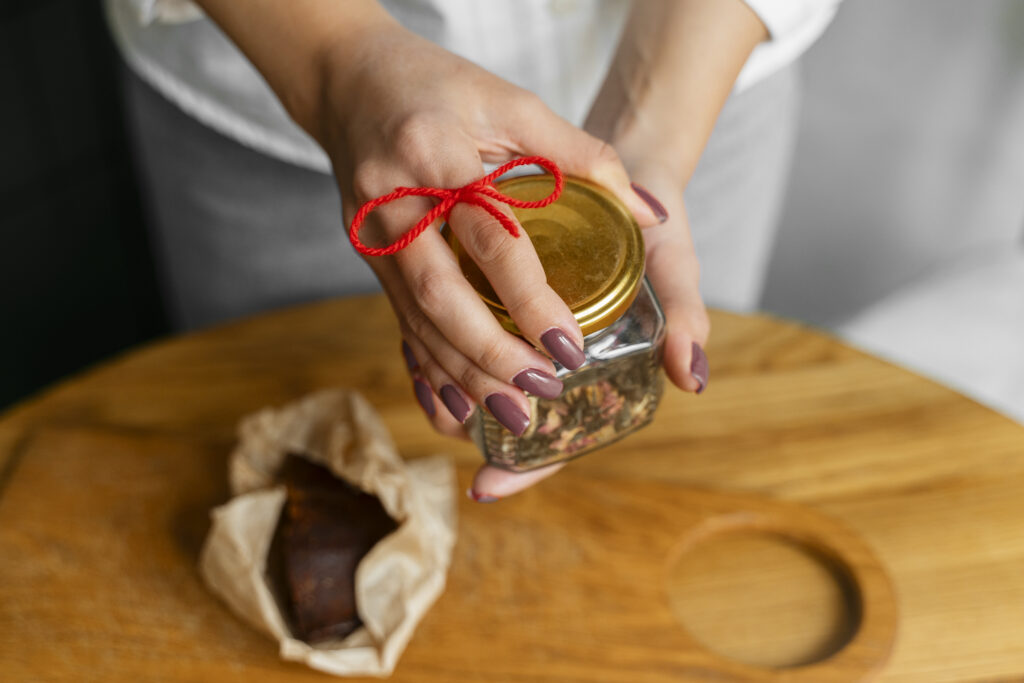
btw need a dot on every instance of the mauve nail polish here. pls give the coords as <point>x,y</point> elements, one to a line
<point>538,383</point>
<point>699,367</point>
<point>507,413</point>
<point>410,360</point>
<point>453,401</point>
<point>659,210</point>
<point>563,349</point>
<point>425,396</point>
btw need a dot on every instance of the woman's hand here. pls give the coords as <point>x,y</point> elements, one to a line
<point>398,110</point>
<point>392,109</point>
<point>674,272</point>
<point>675,66</point>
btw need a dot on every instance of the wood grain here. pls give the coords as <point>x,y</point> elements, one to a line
<point>734,594</point>
<point>107,480</point>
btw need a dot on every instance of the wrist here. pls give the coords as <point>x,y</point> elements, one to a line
<point>289,42</point>
<point>644,139</point>
<point>674,68</point>
<point>317,101</point>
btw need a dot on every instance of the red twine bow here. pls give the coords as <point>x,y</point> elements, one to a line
<point>473,193</point>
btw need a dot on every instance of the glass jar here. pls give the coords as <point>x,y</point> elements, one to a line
<point>592,252</point>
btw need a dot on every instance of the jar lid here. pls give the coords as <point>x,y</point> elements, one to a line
<point>589,245</point>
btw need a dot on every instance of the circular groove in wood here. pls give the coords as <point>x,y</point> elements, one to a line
<point>764,599</point>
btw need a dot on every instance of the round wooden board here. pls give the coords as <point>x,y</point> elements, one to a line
<point>108,479</point>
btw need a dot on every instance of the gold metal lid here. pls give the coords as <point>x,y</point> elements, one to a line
<point>589,245</point>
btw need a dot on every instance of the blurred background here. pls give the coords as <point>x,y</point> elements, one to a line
<point>78,283</point>
<point>903,228</point>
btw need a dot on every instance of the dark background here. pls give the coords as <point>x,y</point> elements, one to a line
<point>77,279</point>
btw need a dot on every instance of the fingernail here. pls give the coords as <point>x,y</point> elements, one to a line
<point>453,401</point>
<point>539,383</point>
<point>481,497</point>
<point>425,396</point>
<point>699,367</point>
<point>562,349</point>
<point>507,413</point>
<point>410,360</point>
<point>656,206</point>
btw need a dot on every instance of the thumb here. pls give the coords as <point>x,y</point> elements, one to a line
<point>491,484</point>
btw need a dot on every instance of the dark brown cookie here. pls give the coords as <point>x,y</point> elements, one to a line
<point>327,527</point>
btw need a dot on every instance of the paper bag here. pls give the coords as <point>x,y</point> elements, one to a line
<point>397,581</point>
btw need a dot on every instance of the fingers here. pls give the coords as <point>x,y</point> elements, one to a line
<point>674,273</point>
<point>685,316</point>
<point>491,484</point>
<point>671,260</point>
<point>512,267</point>
<point>444,421</point>
<point>464,355</point>
<point>465,341</point>
<point>445,333</point>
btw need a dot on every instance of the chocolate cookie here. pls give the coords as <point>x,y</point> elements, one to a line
<point>327,527</point>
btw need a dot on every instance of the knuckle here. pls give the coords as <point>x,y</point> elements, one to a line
<point>526,102</point>
<point>488,242</point>
<point>532,301</point>
<point>491,354</point>
<point>605,154</point>
<point>413,127</point>
<point>416,319</point>
<point>417,138</point>
<point>469,377</point>
<point>432,292</point>
<point>429,369</point>
<point>367,182</point>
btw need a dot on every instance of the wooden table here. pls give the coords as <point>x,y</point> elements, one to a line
<point>107,480</point>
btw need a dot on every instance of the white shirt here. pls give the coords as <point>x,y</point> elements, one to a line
<point>559,49</point>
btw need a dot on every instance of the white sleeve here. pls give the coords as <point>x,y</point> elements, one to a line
<point>793,26</point>
<point>786,19</point>
<point>163,11</point>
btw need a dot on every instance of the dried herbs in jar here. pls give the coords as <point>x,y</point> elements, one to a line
<point>592,253</point>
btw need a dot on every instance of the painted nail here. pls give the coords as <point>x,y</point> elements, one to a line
<point>538,383</point>
<point>659,210</point>
<point>481,497</point>
<point>562,349</point>
<point>699,367</point>
<point>453,401</point>
<point>425,396</point>
<point>410,360</point>
<point>507,413</point>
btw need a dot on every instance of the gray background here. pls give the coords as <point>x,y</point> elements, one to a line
<point>910,154</point>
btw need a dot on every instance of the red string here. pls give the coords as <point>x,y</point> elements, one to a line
<point>474,193</point>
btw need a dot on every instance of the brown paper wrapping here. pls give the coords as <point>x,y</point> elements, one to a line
<point>400,578</point>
